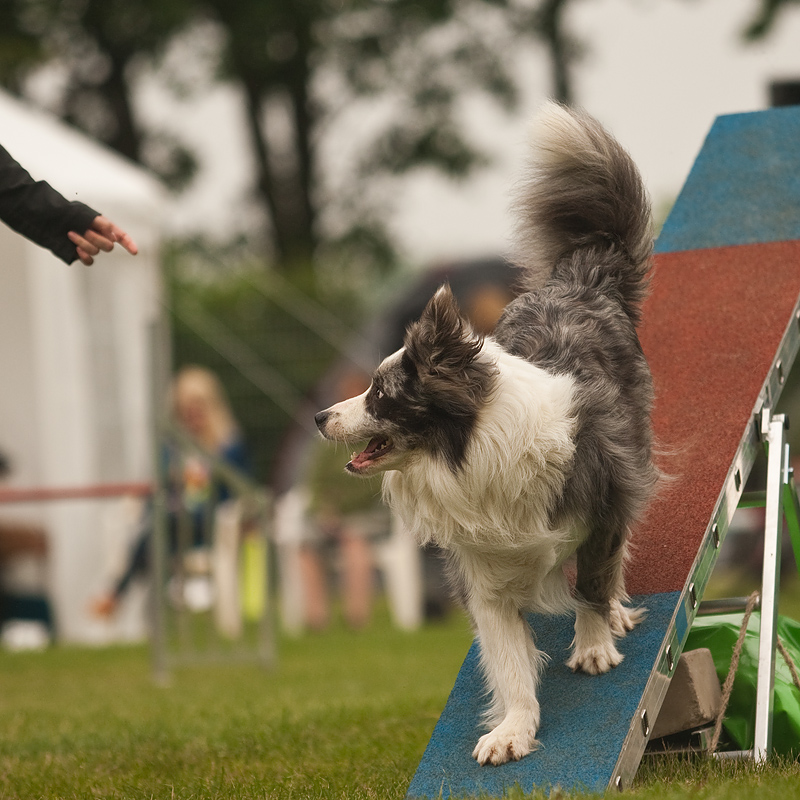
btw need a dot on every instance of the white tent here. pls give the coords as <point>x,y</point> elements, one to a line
<point>74,360</point>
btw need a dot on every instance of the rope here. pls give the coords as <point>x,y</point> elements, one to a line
<point>789,663</point>
<point>727,687</point>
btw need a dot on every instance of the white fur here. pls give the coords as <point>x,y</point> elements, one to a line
<point>349,419</point>
<point>513,471</point>
<point>493,515</point>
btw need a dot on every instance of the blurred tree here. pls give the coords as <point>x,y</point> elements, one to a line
<point>99,46</point>
<point>301,65</point>
<point>20,49</point>
<point>547,22</point>
<point>766,16</point>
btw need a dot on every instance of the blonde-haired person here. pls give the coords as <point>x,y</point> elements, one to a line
<point>200,406</point>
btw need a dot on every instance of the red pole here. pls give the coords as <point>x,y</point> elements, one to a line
<point>96,491</point>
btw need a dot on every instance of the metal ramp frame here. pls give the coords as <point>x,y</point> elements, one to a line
<point>239,631</point>
<point>721,331</point>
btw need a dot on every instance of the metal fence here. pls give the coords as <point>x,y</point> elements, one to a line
<point>211,568</point>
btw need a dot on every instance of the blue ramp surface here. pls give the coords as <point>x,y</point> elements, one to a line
<point>744,187</point>
<point>584,718</point>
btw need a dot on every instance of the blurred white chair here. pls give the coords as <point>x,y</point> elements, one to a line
<point>397,558</point>
<point>225,568</point>
<point>400,562</point>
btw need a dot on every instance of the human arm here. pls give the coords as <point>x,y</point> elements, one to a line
<point>70,229</point>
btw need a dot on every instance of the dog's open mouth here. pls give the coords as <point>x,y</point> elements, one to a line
<point>377,448</point>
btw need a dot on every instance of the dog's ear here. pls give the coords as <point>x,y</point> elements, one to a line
<point>442,340</point>
<point>442,344</point>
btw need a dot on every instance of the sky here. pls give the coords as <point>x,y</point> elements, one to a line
<point>656,73</point>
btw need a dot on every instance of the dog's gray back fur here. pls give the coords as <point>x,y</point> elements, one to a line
<point>585,241</point>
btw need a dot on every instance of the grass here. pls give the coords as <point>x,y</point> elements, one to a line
<point>676,778</point>
<point>344,715</point>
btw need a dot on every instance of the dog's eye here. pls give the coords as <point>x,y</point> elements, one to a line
<point>379,394</point>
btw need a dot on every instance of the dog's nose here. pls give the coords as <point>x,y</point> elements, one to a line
<point>321,418</point>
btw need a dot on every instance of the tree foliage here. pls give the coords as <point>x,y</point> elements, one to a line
<point>20,48</point>
<point>300,65</point>
<point>317,59</point>
<point>99,48</point>
<point>766,17</point>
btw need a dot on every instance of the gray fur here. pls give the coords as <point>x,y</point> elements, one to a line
<point>581,190</point>
<point>586,212</point>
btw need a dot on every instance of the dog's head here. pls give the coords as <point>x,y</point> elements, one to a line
<point>423,399</point>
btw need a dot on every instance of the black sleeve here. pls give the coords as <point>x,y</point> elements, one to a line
<point>39,212</point>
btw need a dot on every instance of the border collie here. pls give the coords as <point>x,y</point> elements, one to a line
<point>514,452</point>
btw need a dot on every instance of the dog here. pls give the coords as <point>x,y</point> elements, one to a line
<point>513,452</point>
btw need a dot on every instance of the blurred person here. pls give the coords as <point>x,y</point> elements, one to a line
<point>69,229</point>
<point>347,516</point>
<point>200,407</point>
<point>484,305</point>
<point>26,618</point>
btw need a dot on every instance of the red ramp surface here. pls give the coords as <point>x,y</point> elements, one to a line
<point>712,327</point>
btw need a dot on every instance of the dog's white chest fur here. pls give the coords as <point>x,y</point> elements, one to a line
<point>499,504</point>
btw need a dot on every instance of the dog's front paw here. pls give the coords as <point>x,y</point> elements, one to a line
<point>596,659</point>
<point>504,743</point>
<point>623,620</point>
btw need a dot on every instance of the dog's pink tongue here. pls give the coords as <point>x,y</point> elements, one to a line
<point>366,454</point>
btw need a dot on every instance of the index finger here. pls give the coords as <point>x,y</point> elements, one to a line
<point>125,240</point>
<point>107,228</point>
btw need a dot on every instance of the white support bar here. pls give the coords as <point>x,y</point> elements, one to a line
<point>773,429</point>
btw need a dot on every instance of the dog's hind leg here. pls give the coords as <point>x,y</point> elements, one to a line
<point>601,615</point>
<point>511,665</point>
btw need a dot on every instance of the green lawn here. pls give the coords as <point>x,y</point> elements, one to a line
<point>344,715</point>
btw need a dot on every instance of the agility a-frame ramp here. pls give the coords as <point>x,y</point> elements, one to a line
<point>721,330</point>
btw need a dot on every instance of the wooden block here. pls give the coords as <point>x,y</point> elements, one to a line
<point>694,695</point>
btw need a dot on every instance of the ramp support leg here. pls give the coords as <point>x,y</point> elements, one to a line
<point>778,480</point>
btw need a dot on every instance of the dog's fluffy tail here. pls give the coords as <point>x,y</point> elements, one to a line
<point>583,214</point>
